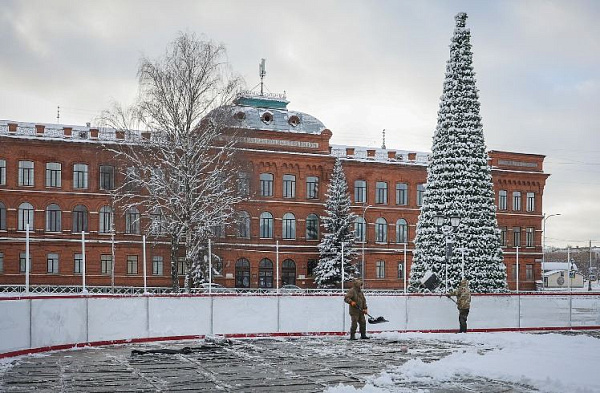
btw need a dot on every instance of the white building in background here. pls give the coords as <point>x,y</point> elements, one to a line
<point>563,266</point>
<point>556,275</point>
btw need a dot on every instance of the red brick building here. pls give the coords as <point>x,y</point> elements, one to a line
<point>57,179</point>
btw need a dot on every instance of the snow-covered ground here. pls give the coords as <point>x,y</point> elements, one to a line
<point>549,362</point>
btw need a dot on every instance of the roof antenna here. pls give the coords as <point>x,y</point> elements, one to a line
<point>262,72</point>
<point>58,114</point>
<point>383,144</point>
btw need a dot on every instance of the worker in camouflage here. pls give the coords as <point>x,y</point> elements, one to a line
<point>463,303</point>
<point>358,308</point>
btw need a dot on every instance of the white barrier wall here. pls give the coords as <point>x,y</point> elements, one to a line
<point>38,322</point>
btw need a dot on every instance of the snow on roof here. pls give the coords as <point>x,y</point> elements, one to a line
<point>362,153</point>
<point>78,133</point>
<point>561,266</point>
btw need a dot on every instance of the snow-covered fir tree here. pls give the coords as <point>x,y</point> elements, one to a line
<point>459,183</point>
<point>338,224</point>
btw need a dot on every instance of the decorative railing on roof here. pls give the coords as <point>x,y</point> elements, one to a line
<point>68,132</point>
<point>379,155</point>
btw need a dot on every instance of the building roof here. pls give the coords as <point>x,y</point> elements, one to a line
<point>562,266</point>
<point>552,272</point>
<point>267,112</point>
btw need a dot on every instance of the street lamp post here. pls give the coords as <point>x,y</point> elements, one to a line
<point>447,230</point>
<point>364,240</point>
<point>544,243</point>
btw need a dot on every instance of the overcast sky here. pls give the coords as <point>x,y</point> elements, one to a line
<point>358,66</point>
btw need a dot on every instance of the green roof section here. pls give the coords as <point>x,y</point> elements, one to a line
<point>271,101</point>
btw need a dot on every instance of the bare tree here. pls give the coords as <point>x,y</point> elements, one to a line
<point>182,171</point>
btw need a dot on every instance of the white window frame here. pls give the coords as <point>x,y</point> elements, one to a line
<point>401,231</point>
<point>516,201</point>
<point>381,193</point>
<point>80,176</point>
<point>77,263</point>
<point>157,265</point>
<point>380,269</point>
<point>420,194</point>
<point>360,191</point>
<point>266,225</point>
<point>52,266</point>
<point>530,201</point>
<point>360,229</point>
<point>53,218</point>
<point>26,216</point>
<point>381,234</point>
<point>2,172</point>
<point>132,264</point>
<point>289,186</point>
<point>53,174</point>
<point>401,194</point>
<point>266,184</point>
<point>106,264</point>
<point>312,187</point>
<point>529,237</point>
<point>26,173</point>
<point>502,200</point>
<point>312,227</point>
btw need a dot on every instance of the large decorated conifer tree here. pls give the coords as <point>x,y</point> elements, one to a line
<point>338,224</point>
<point>459,184</point>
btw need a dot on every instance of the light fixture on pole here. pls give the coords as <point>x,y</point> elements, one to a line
<point>448,230</point>
<point>364,240</point>
<point>544,242</point>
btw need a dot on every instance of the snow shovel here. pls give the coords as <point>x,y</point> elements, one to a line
<point>373,320</point>
<point>448,296</point>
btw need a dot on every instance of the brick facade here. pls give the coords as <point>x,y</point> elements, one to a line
<point>305,156</point>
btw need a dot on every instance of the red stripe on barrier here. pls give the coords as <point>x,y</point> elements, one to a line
<point>261,335</point>
<point>194,295</point>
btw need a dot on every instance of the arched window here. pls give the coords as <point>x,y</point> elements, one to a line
<point>80,219</point>
<point>265,273</point>
<point>2,217</point>
<point>242,273</point>
<point>312,227</point>
<point>401,231</point>
<point>288,272</point>
<point>25,216</point>
<point>132,220</point>
<point>380,230</point>
<point>289,226</point>
<point>360,227</point>
<point>266,225</point>
<point>106,219</point>
<point>53,218</point>
<point>243,229</point>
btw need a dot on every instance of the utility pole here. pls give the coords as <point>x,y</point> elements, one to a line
<point>544,243</point>
<point>590,269</point>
